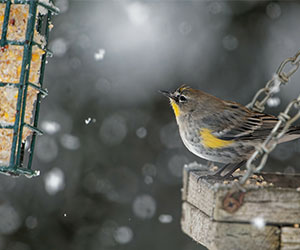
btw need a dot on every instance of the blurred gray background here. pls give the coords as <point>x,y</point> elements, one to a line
<point>111,158</point>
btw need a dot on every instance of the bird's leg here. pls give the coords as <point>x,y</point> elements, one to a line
<point>229,169</point>
<point>223,173</point>
<point>221,169</point>
<point>232,170</point>
<point>209,164</point>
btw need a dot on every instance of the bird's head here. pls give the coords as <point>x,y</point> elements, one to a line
<point>183,100</point>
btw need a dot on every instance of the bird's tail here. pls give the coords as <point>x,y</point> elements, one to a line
<point>292,134</point>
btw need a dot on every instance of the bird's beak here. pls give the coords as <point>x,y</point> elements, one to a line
<point>167,94</point>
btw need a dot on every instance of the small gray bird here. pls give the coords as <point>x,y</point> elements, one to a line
<point>221,131</point>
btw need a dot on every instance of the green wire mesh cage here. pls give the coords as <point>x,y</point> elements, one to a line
<point>24,31</point>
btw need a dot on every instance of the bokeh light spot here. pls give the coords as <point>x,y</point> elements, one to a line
<point>123,235</point>
<point>144,206</point>
<point>54,181</point>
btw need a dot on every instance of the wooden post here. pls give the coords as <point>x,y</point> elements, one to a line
<point>219,216</point>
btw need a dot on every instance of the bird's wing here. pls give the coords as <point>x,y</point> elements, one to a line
<point>240,123</point>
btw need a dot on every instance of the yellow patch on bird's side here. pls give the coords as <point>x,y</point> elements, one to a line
<point>175,107</point>
<point>210,141</point>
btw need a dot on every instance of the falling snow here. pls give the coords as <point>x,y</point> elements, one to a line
<point>50,127</point>
<point>258,222</point>
<point>59,47</point>
<point>144,206</point>
<point>275,88</point>
<point>46,148</point>
<point>54,181</point>
<point>138,13</point>
<point>70,142</point>
<point>123,235</point>
<point>10,219</point>
<point>141,132</point>
<point>99,55</point>
<point>273,102</point>
<point>116,182</point>
<point>165,218</point>
<point>88,120</point>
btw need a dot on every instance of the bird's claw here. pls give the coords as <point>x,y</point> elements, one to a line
<point>218,177</point>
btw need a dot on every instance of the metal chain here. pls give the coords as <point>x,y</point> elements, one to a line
<point>279,78</point>
<point>285,120</point>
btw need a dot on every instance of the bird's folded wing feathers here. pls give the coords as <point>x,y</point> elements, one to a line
<point>240,123</point>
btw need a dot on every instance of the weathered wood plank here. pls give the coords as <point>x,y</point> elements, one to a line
<point>226,236</point>
<point>290,238</point>
<point>194,166</point>
<point>270,198</point>
<point>201,196</point>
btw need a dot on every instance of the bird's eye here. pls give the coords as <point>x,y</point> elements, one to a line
<point>182,98</point>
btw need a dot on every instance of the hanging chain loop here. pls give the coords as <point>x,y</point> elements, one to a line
<point>285,119</point>
<point>281,77</point>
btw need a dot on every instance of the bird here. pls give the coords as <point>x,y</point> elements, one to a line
<point>221,131</point>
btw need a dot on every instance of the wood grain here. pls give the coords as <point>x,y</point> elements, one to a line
<point>290,238</point>
<point>275,204</point>
<point>226,236</point>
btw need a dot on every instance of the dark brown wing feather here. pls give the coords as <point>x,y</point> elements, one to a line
<point>241,123</point>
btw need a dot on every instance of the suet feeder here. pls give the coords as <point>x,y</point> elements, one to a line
<point>24,31</point>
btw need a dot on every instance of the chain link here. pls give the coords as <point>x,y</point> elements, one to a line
<point>285,119</point>
<point>279,78</point>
